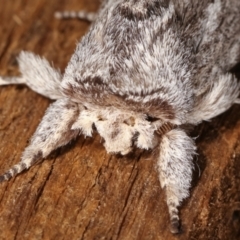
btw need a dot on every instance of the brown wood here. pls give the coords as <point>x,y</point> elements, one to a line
<point>81,192</point>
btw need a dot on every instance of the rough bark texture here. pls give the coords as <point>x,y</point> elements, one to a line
<point>81,192</point>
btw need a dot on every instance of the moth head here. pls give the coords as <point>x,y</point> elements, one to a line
<point>120,130</point>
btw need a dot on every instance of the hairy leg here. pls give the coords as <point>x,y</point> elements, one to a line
<point>37,74</point>
<point>221,95</point>
<point>175,170</point>
<point>54,131</point>
<point>11,80</point>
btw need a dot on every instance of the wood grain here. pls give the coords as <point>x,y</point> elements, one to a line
<point>81,192</point>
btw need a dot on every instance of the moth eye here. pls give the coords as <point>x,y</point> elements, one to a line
<point>151,119</point>
<point>101,118</point>
<point>130,121</point>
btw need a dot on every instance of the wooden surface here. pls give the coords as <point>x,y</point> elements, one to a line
<point>81,192</point>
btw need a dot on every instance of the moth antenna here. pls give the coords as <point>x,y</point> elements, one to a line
<point>82,15</point>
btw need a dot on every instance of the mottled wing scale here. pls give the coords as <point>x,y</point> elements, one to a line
<point>142,9</point>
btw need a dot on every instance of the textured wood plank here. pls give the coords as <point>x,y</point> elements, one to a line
<point>81,192</point>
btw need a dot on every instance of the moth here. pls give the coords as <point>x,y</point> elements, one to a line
<point>145,70</point>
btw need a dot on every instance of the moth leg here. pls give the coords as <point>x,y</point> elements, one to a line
<point>37,74</point>
<point>11,80</point>
<point>82,15</point>
<point>54,131</point>
<point>175,171</point>
<point>237,101</point>
<point>222,94</point>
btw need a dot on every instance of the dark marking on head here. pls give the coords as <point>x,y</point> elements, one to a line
<point>93,80</point>
<point>137,10</point>
<point>115,133</point>
<point>151,119</point>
